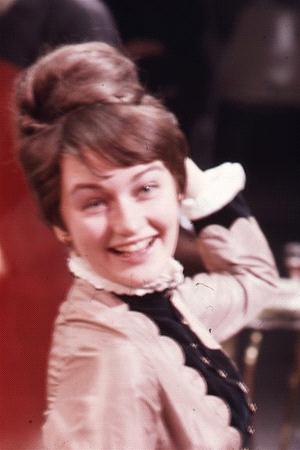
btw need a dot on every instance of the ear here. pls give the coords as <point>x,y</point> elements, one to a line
<point>62,235</point>
<point>180,197</point>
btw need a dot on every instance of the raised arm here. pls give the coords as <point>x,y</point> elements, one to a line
<point>241,275</point>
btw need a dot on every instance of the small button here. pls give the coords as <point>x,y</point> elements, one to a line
<point>222,373</point>
<point>194,345</point>
<point>205,360</point>
<point>242,387</point>
<point>253,407</point>
<point>250,429</point>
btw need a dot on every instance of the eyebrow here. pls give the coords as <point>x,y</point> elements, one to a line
<point>148,169</point>
<point>82,186</point>
<point>95,186</point>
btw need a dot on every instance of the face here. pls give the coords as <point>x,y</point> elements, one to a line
<point>123,221</point>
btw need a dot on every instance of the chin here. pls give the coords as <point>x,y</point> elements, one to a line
<point>138,280</point>
<point>135,282</point>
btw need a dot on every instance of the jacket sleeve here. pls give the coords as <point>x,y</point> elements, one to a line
<point>241,276</point>
<point>106,400</point>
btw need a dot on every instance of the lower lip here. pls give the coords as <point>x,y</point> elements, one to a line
<point>137,257</point>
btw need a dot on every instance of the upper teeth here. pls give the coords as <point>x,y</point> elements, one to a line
<point>134,247</point>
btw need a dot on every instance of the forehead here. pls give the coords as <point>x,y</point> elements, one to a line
<point>76,172</point>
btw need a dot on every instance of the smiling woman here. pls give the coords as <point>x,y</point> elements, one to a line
<point>135,361</point>
<point>109,115</point>
<point>124,222</point>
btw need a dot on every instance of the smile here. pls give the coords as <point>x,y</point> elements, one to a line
<point>130,248</point>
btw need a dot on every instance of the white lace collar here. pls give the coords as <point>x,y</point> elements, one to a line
<point>171,278</point>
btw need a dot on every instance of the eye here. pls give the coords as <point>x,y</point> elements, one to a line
<point>94,203</point>
<point>149,187</point>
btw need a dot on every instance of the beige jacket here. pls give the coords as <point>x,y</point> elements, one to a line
<point>116,384</point>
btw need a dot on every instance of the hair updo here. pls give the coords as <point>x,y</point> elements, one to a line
<point>88,97</point>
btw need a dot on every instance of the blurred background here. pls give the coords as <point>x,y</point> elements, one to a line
<point>230,71</point>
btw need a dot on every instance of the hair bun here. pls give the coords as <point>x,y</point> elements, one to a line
<point>75,76</point>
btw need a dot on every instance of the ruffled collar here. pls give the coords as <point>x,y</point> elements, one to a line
<point>172,277</point>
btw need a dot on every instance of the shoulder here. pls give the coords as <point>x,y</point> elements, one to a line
<point>98,352</point>
<point>98,325</point>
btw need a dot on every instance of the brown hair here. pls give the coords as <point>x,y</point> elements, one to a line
<point>88,96</point>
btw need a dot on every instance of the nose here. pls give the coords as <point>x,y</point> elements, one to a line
<point>126,217</point>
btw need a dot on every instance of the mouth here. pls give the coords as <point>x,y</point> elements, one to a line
<point>133,248</point>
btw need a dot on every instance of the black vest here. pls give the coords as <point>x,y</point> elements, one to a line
<point>222,377</point>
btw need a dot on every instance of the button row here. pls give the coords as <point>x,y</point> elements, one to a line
<point>223,374</point>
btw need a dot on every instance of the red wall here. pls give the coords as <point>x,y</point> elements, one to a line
<point>32,284</point>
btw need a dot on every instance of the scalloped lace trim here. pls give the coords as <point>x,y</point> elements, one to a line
<point>194,378</point>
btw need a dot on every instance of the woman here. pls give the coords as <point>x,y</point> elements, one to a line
<point>135,361</point>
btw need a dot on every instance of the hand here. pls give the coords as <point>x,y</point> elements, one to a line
<point>210,190</point>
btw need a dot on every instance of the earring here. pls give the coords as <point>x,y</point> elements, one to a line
<point>66,239</point>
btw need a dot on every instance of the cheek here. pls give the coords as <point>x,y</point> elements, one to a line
<point>85,233</point>
<point>166,217</point>
<point>168,208</point>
